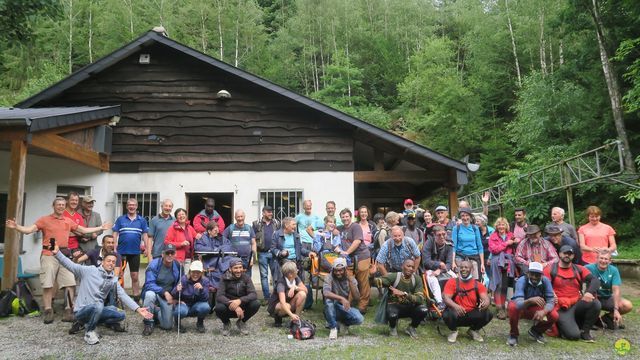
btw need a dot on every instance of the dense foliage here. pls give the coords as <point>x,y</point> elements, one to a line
<point>513,84</point>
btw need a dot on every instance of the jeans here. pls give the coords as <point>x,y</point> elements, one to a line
<point>334,312</point>
<point>92,315</point>
<point>250,309</point>
<point>266,263</point>
<point>199,310</point>
<point>160,309</point>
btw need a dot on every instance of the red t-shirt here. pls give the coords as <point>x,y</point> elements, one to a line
<point>467,296</point>
<point>57,228</point>
<point>78,220</point>
<point>565,284</point>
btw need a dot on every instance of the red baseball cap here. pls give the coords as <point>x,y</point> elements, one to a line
<point>408,202</point>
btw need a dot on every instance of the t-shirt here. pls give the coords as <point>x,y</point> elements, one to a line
<point>240,238</point>
<point>77,218</point>
<point>566,285</point>
<point>595,236</point>
<point>281,287</point>
<point>518,231</point>
<point>467,240</point>
<point>304,221</point>
<point>158,227</point>
<point>130,234</point>
<point>467,297</point>
<point>165,278</point>
<point>290,246</point>
<point>351,233</point>
<point>608,278</point>
<point>57,228</point>
<point>366,233</point>
<point>339,287</point>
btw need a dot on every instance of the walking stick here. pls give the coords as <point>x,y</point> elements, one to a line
<point>179,293</point>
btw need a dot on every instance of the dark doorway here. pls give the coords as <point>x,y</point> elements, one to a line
<point>224,204</point>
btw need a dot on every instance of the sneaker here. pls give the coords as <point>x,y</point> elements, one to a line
<point>148,330</point>
<point>67,316</point>
<point>475,335</point>
<point>393,331</point>
<point>226,329</point>
<point>277,321</point>
<point>91,338</point>
<point>48,316</point>
<point>76,327</point>
<point>539,338</point>
<point>200,326</point>
<point>587,337</point>
<point>452,337</point>
<point>117,327</point>
<point>343,329</point>
<point>512,341</point>
<point>411,331</point>
<point>502,314</point>
<point>333,334</point>
<point>242,326</point>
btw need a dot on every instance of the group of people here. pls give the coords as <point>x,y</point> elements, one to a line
<point>424,267</point>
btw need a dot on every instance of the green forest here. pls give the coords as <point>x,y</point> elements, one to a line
<point>512,84</point>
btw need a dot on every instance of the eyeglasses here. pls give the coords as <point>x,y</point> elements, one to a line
<point>441,234</point>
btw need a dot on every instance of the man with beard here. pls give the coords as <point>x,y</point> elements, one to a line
<point>236,298</point>
<point>264,230</point>
<point>96,256</point>
<point>577,312</point>
<point>412,231</point>
<point>519,226</point>
<point>533,299</point>
<point>209,213</point>
<point>339,292</point>
<point>534,248</point>
<point>91,218</point>
<point>352,240</point>
<point>467,304</point>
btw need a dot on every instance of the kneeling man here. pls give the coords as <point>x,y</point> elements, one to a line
<point>339,292</point>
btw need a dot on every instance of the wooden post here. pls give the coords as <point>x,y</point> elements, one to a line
<point>453,193</point>
<point>569,191</point>
<point>14,210</point>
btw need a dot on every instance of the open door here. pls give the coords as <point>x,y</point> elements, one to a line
<point>224,204</point>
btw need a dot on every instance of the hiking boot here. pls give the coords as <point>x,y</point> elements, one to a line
<point>502,314</point>
<point>277,321</point>
<point>76,327</point>
<point>333,334</point>
<point>452,337</point>
<point>180,328</point>
<point>200,326</point>
<point>226,329</point>
<point>67,316</point>
<point>136,298</point>
<point>264,302</point>
<point>91,338</point>
<point>475,335</point>
<point>48,316</point>
<point>242,326</point>
<point>512,341</point>
<point>606,320</point>
<point>393,331</point>
<point>539,338</point>
<point>117,327</point>
<point>148,330</point>
<point>587,337</point>
<point>411,331</point>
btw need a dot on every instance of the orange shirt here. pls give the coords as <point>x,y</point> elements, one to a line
<point>595,236</point>
<point>57,228</point>
<point>467,296</point>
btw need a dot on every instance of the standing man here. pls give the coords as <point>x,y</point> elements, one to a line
<point>557,218</point>
<point>264,229</point>
<point>413,231</point>
<point>71,212</point>
<point>129,231</point>
<point>308,224</point>
<point>158,227</point>
<point>91,219</point>
<point>331,211</point>
<point>242,240</point>
<point>54,227</point>
<point>442,218</point>
<point>208,214</point>
<point>351,235</point>
<point>519,226</point>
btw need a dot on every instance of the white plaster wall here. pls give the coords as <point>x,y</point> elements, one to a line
<point>44,174</point>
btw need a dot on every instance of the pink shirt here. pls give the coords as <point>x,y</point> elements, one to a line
<point>79,220</point>
<point>518,232</point>
<point>595,236</point>
<point>366,234</point>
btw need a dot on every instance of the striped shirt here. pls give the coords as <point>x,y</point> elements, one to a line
<point>130,234</point>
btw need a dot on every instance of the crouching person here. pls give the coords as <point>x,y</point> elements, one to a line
<point>95,285</point>
<point>533,299</point>
<point>405,298</point>
<point>339,291</point>
<point>193,291</point>
<point>162,275</point>
<point>467,304</point>
<point>236,298</point>
<point>288,296</point>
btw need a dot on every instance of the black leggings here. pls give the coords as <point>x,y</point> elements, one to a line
<point>474,319</point>
<point>250,309</point>
<point>416,312</point>
<point>581,316</point>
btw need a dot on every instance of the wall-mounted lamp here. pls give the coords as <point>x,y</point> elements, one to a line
<point>223,95</point>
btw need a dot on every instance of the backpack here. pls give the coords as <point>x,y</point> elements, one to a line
<point>257,228</point>
<point>328,256</point>
<point>303,329</point>
<point>576,274</point>
<point>460,291</point>
<point>6,301</point>
<point>27,303</point>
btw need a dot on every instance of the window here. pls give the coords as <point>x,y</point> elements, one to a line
<point>148,205</point>
<point>64,190</point>
<point>284,202</point>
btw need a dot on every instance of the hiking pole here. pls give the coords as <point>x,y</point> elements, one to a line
<point>179,297</point>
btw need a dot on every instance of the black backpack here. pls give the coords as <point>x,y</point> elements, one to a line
<point>26,302</point>
<point>303,329</point>
<point>6,300</point>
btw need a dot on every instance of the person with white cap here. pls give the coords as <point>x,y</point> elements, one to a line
<point>91,218</point>
<point>194,296</point>
<point>442,218</point>
<point>339,292</point>
<point>533,299</point>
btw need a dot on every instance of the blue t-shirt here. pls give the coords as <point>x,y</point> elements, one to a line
<point>130,234</point>
<point>304,221</point>
<point>608,278</point>
<point>466,240</point>
<point>158,227</point>
<point>240,238</point>
<point>290,246</point>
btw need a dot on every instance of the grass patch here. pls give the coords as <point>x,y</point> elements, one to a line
<point>629,250</point>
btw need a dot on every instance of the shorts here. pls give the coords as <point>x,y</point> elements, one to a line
<point>133,260</point>
<point>51,272</point>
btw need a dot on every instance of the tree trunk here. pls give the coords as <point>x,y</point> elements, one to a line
<point>543,56</point>
<point>614,89</point>
<point>203,30</point>
<point>90,31</point>
<point>70,37</point>
<point>220,30</point>
<point>561,51</point>
<point>235,57</point>
<point>129,5</point>
<point>513,45</point>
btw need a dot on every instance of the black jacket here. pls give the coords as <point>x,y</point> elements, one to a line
<point>231,288</point>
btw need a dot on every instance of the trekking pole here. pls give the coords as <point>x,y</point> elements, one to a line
<point>179,297</point>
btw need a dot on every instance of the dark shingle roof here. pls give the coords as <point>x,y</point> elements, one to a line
<point>38,119</point>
